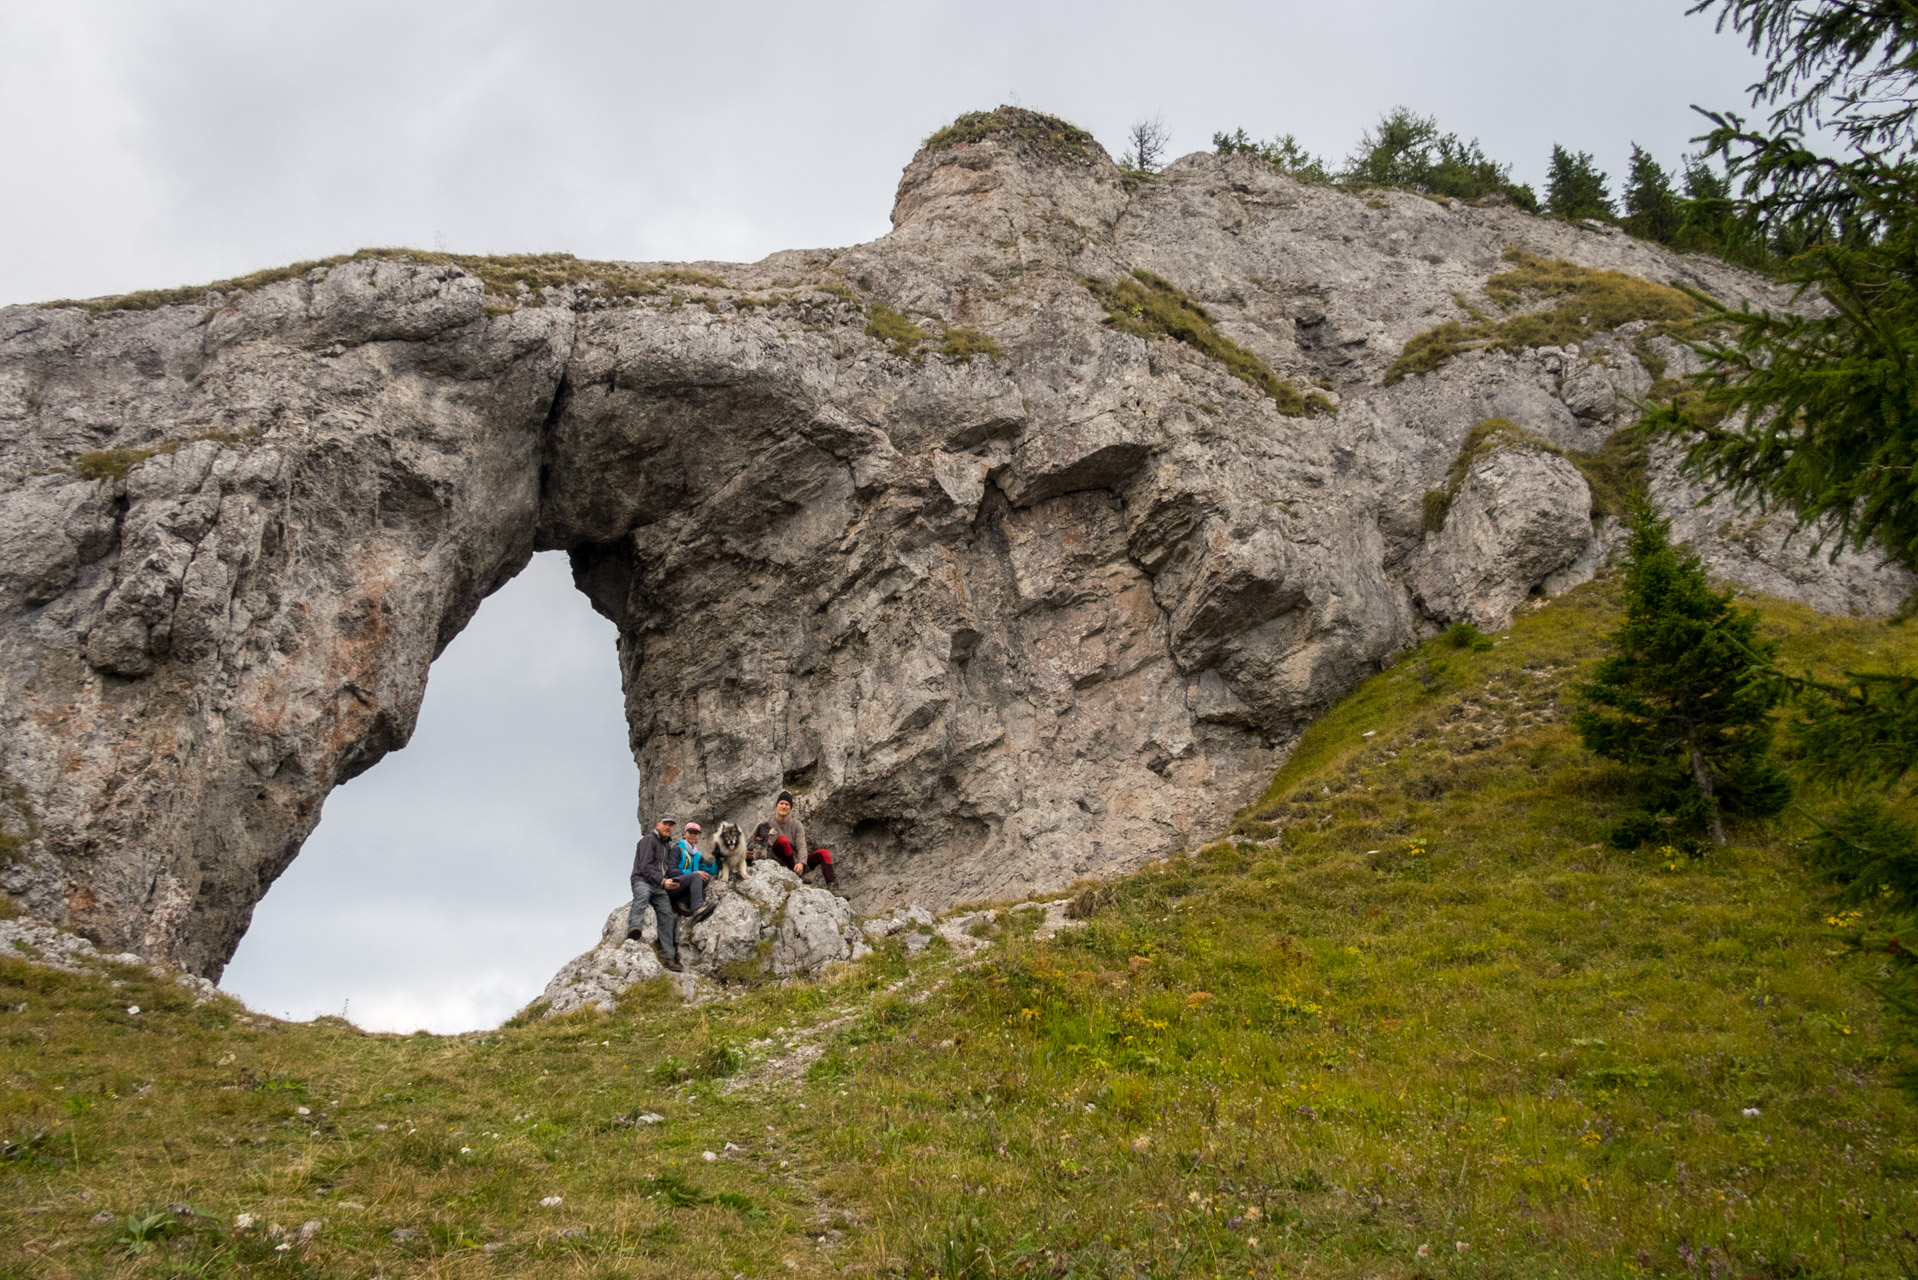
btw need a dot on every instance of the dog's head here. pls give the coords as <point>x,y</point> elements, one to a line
<point>729,834</point>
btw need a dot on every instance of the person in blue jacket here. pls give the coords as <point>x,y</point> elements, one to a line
<point>694,870</point>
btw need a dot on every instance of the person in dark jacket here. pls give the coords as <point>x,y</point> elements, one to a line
<point>654,879</point>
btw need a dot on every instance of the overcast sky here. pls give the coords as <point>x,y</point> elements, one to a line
<point>152,144</point>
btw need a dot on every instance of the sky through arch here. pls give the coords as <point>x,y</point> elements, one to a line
<point>445,885</point>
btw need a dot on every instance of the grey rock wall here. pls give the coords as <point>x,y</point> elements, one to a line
<point>1002,623</point>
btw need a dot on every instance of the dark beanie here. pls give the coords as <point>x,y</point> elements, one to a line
<point>786,796</point>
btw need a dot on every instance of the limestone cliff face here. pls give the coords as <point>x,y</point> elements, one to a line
<point>1002,621</point>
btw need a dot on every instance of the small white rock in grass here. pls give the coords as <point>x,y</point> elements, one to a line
<point>1462,1246</point>
<point>242,1221</point>
<point>133,1010</point>
<point>102,1217</point>
<point>282,1247</point>
<point>708,1156</point>
<point>302,1111</point>
<point>552,1202</point>
<point>1750,1113</point>
<point>466,1151</point>
<point>310,1228</point>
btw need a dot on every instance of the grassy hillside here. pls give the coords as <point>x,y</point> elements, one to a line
<point>1433,1028</point>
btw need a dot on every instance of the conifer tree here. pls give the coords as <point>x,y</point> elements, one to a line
<point>1575,189</point>
<point>1816,409</point>
<point>1684,699</point>
<point>1651,206</point>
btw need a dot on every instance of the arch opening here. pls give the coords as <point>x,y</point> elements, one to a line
<point>446,884</point>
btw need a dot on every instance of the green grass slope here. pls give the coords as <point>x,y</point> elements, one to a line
<point>1413,1019</point>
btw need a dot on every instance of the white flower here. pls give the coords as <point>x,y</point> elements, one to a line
<point>281,1247</point>
<point>552,1202</point>
<point>1462,1246</point>
<point>242,1222</point>
<point>133,1010</point>
<point>1425,1251</point>
<point>1750,1113</point>
<point>466,1151</point>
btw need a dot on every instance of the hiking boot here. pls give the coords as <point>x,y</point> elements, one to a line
<point>680,910</point>
<point>671,965</point>
<point>703,912</point>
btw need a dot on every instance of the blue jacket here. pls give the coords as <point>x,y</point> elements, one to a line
<point>691,859</point>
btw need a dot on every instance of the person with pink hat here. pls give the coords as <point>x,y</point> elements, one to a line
<point>694,870</point>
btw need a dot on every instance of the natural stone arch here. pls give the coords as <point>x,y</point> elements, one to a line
<point>1004,619</point>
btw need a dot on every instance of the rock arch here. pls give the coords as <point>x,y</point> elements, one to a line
<point>1018,599</point>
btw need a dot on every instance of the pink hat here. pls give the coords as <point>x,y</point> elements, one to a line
<point>692,827</point>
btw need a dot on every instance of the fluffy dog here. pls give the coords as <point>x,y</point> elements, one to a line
<point>730,849</point>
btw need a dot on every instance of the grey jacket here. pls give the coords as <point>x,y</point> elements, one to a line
<point>794,830</point>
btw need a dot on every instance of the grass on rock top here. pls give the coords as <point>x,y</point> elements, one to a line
<point>1151,306</point>
<point>1435,1028</point>
<point>1048,136</point>
<point>1582,302</point>
<point>502,276</point>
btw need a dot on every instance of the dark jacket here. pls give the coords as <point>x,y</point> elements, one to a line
<point>654,860</point>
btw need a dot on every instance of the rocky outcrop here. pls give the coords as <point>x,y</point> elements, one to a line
<point>1024,598</point>
<point>766,924</point>
<point>1521,517</point>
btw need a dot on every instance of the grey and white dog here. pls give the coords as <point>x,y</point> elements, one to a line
<point>729,847</point>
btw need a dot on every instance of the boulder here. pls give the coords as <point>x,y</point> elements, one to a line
<point>769,922</point>
<point>1521,515</point>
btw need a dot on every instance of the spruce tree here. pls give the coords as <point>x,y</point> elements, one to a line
<point>1651,206</point>
<point>1575,189</point>
<point>1684,700</point>
<point>1815,409</point>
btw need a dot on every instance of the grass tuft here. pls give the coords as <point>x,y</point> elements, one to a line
<point>515,277</point>
<point>109,464</point>
<point>963,344</point>
<point>1041,134</point>
<point>1152,307</point>
<point>887,325</point>
<point>1587,302</point>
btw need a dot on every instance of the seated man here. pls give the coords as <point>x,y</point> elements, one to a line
<point>788,840</point>
<point>654,863</point>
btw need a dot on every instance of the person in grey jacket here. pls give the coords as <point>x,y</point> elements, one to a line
<point>654,864</point>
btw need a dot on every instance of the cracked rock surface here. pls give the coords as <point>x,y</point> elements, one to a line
<point>1002,622</point>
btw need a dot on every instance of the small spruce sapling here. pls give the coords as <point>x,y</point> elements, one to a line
<point>1685,698</point>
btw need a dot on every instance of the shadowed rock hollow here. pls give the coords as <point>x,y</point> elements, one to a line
<point>1009,594</point>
